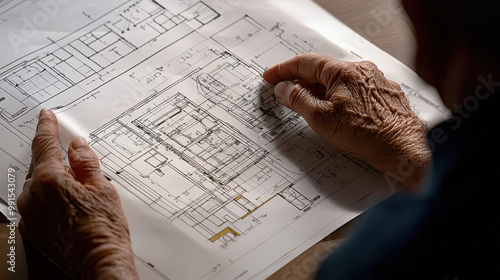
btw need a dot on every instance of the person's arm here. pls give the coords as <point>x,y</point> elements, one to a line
<point>74,216</point>
<point>358,111</point>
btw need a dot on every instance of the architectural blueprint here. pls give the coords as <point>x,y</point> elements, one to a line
<point>217,179</point>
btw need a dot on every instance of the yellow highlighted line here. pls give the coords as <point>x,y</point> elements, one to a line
<point>250,212</point>
<point>222,233</point>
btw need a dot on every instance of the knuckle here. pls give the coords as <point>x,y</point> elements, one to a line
<point>295,95</point>
<point>86,158</point>
<point>396,86</point>
<point>370,69</point>
<point>41,140</point>
<point>89,167</point>
<point>85,161</point>
<point>368,64</point>
<point>324,68</point>
<point>45,119</point>
<point>348,71</point>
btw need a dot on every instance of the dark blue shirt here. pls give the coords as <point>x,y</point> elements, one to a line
<point>449,231</point>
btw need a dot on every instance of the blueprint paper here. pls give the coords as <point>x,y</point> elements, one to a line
<point>217,179</point>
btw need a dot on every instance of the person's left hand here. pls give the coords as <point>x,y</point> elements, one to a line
<point>73,216</point>
<point>358,111</point>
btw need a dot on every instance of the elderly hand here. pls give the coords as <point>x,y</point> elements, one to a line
<point>357,110</point>
<point>74,216</point>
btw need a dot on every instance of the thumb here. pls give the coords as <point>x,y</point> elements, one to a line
<point>299,98</point>
<point>84,162</point>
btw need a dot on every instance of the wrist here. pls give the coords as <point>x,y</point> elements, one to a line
<point>413,156</point>
<point>405,155</point>
<point>410,172</point>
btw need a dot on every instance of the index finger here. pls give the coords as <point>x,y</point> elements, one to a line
<point>313,68</point>
<point>45,147</point>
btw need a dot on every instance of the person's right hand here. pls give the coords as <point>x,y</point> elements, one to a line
<point>357,110</point>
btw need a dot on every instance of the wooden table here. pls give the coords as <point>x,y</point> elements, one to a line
<point>384,23</point>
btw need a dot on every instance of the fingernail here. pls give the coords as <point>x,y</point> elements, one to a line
<point>280,88</point>
<point>79,143</point>
<point>43,111</point>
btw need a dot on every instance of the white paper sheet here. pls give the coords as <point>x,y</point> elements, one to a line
<point>218,180</point>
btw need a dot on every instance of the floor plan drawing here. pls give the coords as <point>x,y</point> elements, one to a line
<point>92,59</point>
<point>208,163</point>
<point>228,176</point>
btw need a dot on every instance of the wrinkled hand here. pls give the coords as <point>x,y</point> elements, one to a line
<point>74,216</point>
<point>357,110</point>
